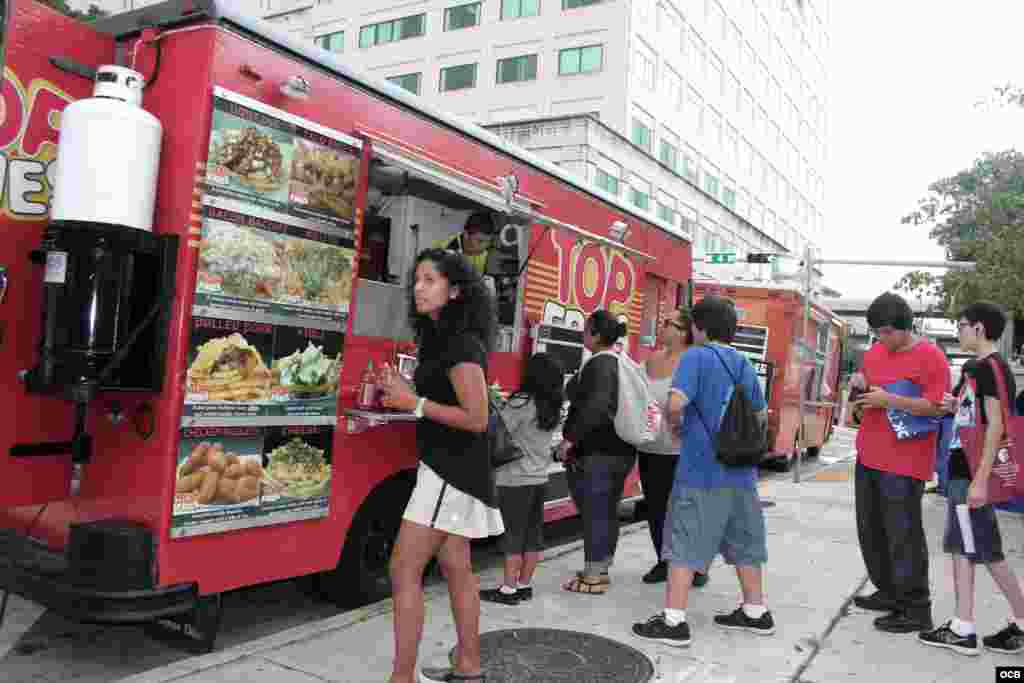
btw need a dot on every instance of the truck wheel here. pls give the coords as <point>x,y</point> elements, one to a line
<point>812,452</point>
<point>361,576</point>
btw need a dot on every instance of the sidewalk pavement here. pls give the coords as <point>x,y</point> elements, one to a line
<point>814,564</point>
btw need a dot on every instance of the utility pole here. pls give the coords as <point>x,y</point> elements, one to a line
<point>809,264</point>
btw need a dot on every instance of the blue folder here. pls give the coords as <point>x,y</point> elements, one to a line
<point>905,425</point>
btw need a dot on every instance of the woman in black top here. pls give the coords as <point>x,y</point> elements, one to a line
<point>597,460</point>
<point>452,314</point>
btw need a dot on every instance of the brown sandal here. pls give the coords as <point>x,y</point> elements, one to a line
<point>586,585</point>
<point>602,578</point>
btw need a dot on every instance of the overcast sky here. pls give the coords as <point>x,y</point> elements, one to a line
<point>905,77</point>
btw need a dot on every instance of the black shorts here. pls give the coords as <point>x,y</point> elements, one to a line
<point>522,510</point>
<point>988,543</point>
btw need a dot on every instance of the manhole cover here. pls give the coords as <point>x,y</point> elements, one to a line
<point>542,655</point>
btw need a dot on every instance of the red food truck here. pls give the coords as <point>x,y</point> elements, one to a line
<point>198,287</point>
<point>769,334</point>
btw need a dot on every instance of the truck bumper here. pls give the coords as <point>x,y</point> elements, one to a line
<point>40,574</point>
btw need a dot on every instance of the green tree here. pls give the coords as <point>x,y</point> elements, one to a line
<point>976,215</point>
<point>92,14</point>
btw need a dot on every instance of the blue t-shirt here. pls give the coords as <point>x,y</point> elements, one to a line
<point>706,382</point>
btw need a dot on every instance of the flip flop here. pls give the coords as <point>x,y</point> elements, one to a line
<point>586,586</point>
<point>447,675</point>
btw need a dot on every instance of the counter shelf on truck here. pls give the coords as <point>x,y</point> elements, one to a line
<point>216,439</point>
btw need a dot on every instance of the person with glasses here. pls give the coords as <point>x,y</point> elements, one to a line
<point>658,459</point>
<point>978,404</point>
<point>475,242</point>
<point>891,472</point>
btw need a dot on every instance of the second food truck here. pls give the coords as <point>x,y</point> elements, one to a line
<point>788,362</point>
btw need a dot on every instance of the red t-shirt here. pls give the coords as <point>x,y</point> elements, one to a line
<point>877,446</point>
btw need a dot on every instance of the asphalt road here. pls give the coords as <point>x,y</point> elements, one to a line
<point>40,647</point>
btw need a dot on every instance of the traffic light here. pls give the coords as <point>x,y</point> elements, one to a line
<point>759,258</point>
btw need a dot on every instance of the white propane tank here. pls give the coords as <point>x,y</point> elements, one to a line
<point>108,155</point>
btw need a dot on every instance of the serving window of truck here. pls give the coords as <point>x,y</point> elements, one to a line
<point>186,381</point>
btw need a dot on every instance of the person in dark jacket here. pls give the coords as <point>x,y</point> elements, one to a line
<point>597,460</point>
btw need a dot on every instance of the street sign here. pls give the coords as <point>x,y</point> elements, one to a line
<point>723,257</point>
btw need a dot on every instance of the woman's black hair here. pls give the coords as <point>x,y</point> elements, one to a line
<point>544,382</point>
<point>605,327</point>
<point>472,312</point>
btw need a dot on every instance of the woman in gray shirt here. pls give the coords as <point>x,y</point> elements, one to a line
<point>532,414</point>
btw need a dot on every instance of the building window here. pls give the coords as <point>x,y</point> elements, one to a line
<point>711,184</point>
<point>517,9</point>
<point>640,198</point>
<point>642,136</point>
<point>666,213</point>
<point>729,198</point>
<point>462,16</point>
<point>515,69</point>
<point>669,155</point>
<point>607,182</point>
<point>458,77</point>
<point>689,167</point>
<point>390,31</point>
<point>332,42</point>
<point>573,4</point>
<point>643,69</point>
<point>580,60</point>
<point>410,82</point>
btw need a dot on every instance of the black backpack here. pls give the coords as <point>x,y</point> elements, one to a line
<point>742,440</point>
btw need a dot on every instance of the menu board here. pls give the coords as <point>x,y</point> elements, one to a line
<point>231,478</point>
<point>279,161</point>
<point>273,287</point>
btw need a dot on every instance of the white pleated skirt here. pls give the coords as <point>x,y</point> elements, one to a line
<point>439,505</point>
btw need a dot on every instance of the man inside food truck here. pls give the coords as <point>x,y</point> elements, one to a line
<point>475,242</point>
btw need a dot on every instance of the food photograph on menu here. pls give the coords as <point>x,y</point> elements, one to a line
<point>323,179</point>
<point>298,459</point>
<point>250,154</point>
<point>230,478</point>
<point>248,263</point>
<point>307,364</point>
<point>229,368</point>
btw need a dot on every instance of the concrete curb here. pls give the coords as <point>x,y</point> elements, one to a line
<point>319,629</point>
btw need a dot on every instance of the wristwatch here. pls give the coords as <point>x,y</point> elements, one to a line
<point>418,412</point>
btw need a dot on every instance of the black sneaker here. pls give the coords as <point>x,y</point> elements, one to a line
<point>903,621</point>
<point>657,629</point>
<point>945,636</point>
<point>524,594</point>
<point>739,621</point>
<point>495,595</point>
<point>657,574</point>
<point>876,602</point>
<point>700,579</point>
<point>1008,641</point>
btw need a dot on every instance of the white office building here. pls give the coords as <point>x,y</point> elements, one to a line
<point>711,115</point>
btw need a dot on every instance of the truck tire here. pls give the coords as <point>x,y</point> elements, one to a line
<point>362,576</point>
<point>812,452</point>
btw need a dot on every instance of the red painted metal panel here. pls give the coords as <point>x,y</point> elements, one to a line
<point>34,93</point>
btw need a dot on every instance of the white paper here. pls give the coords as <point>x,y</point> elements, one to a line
<point>963,514</point>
